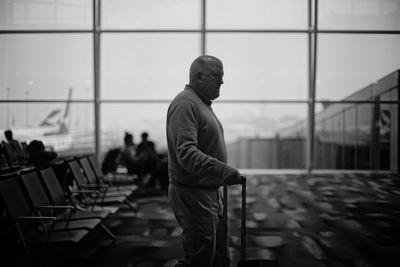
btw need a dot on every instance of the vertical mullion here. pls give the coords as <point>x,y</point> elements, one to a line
<point>357,138</point>
<point>311,87</point>
<point>356,135</point>
<point>398,123</point>
<point>307,148</point>
<point>203,27</point>
<point>96,74</point>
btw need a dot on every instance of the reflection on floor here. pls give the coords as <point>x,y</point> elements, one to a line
<point>292,220</point>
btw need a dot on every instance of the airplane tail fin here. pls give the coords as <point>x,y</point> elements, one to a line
<point>64,121</point>
<point>54,118</point>
<point>66,111</point>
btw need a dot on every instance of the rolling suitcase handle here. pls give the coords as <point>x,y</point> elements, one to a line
<point>243,223</point>
<point>244,262</point>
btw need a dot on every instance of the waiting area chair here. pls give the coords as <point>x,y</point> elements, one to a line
<point>32,231</point>
<point>93,194</point>
<point>67,216</point>
<point>113,178</point>
<point>92,178</point>
<point>59,198</point>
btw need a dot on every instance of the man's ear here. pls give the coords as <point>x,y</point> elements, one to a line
<point>199,76</point>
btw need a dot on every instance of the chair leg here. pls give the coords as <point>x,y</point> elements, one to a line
<point>133,206</point>
<point>22,239</point>
<point>109,233</point>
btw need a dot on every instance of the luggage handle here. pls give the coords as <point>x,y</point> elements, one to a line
<point>243,227</point>
<point>243,221</point>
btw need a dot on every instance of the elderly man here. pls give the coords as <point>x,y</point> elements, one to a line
<point>197,165</point>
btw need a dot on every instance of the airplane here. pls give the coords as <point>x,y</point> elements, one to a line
<point>53,131</point>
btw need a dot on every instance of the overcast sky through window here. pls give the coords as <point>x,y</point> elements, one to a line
<point>155,65</point>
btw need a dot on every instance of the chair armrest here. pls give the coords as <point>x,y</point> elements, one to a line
<point>56,207</point>
<point>102,188</point>
<point>35,218</point>
<point>84,191</point>
<point>91,185</point>
<point>38,218</point>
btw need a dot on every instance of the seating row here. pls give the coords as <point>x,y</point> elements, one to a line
<point>46,208</point>
<point>13,155</point>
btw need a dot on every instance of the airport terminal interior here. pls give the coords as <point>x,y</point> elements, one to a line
<point>309,107</point>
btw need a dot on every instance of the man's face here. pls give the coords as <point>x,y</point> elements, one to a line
<point>212,80</point>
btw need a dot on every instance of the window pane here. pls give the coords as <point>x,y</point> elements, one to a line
<point>146,66</point>
<point>43,66</point>
<point>336,137</point>
<point>60,126</point>
<point>356,136</point>
<point>257,14</point>
<point>348,63</point>
<point>134,118</point>
<point>50,14</point>
<point>350,137</point>
<point>386,131</point>
<point>260,136</point>
<point>262,66</point>
<point>250,131</point>
<point>143,14</point>
<point>359,14</point>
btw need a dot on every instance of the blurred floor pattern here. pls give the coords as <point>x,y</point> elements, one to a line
<point>292,220</point>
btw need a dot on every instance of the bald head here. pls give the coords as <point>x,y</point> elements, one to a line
<point>204,64</point>
<point>206,75</point>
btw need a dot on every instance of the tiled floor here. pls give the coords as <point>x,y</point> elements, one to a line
<point>292,220</point>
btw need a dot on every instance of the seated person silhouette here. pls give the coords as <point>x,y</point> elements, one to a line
<point>38,156</point>
<point>148,158</point>
<point>128,155</point>
<point>16,147</point>
<point>10,139</point>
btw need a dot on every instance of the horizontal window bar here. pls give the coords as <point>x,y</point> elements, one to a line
<point>358,31</point>
<point>43,31</point>
<point>357,102</point>
<point>46,101</point>
<point>256,101</point>
<point>200,30</point>
<point>236,101</point>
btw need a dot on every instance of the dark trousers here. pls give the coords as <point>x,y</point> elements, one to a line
<point>199,213</point>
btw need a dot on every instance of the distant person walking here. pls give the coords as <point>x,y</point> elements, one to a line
<point>197,165</point>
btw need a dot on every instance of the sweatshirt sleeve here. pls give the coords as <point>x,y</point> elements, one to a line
<point>184,123</point>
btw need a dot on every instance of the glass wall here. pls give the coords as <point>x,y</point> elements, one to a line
<point>359,15</point>
<point>267,66</point>
<point>349,62</point>
<point>362,134</point>
<point>46,66</point>
<point>151,15</point>
<point>46,15</point>
<point>307,84</point>
<point>257,14</point>
<point>66,128</point>
<point>143,66</point>
<point>118,118</point>
<point>252,133</point>
<point>46,73</point>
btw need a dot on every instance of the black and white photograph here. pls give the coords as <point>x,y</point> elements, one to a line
<point>199,133</point>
